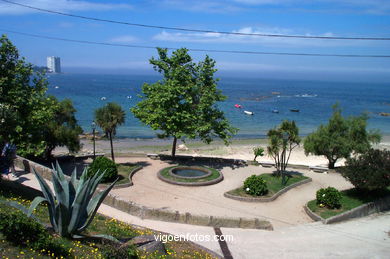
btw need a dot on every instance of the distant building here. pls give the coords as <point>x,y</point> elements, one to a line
<point>53,65</point>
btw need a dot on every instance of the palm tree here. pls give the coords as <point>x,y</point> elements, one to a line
<point>108,118</point>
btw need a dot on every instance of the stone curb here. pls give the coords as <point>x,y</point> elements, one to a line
<point>211,182</point>
<point>269,199</point>
<point>358,212</point>
<point>124,185</point>
<point>145,212</point>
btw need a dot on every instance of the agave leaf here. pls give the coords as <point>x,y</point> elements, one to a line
<point>95,181</point>
<point>73,178</point>
<point>48,194</point>
<point>77,207</point>
<point>34,204</point>
<point>21,208</point>
<point>95,203</point>
<point>108,237</point>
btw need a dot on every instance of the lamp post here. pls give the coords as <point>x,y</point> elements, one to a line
<point>93,125</point>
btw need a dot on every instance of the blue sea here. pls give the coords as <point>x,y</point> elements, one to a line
<point>260,96</point>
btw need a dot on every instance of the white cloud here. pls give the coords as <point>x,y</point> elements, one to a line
<point>248,39</point>
<point>58,5</point>
<point>124,39</point>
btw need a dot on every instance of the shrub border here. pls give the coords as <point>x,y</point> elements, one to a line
<point>366,209</point>
<point>214,181</point>
<point>165,215</point>
<point>266,199</point>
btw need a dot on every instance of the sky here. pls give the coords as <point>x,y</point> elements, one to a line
<point>345,18</point>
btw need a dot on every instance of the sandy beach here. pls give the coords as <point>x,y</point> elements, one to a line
<point>238,149</point>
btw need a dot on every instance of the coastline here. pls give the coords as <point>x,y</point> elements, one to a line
<point>238,149</point>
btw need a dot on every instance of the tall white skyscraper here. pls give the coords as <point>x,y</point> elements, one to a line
<point>54,64</point>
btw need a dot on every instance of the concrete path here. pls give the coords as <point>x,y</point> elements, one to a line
<point>367,237</point>
<point>361,238</point>
<point>286,211</point>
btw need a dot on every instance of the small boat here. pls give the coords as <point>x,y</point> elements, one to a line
<point>103,98</point>
<point>129,97</point>
<point>275,111</point>
<point>237,106</point>
<point>248,112</point>
<point>56,87</point>
<point>294,110</point>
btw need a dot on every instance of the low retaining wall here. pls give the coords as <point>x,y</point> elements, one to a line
<point>266,199</point>
<point>145,212</point>
<point>213,181</point>
<point>358,212</point>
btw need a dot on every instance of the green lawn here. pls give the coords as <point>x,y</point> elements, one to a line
<point>274,185</point>
<point>350,199</point>
<point>214,175</point>
<point>124,172</point>
<point>85,248</point>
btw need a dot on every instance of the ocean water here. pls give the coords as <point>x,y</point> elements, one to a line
<point>260,96</point>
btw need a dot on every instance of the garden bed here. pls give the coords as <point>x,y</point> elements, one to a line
<point>350,199</point>
<point>125,174</point>
<point>88,248</point>
<point>274,185</point>
<point>213,178</point>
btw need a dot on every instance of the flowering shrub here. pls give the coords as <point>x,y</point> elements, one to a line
<point>255,185</point>
<point>329,197</point>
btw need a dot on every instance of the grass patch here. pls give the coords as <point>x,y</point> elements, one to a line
<point>274,185</point>
<point>124,171</point>
<point>214,175</point>
<point>88,248</point>
<point>350,199</point>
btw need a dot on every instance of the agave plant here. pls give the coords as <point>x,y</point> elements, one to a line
<point>73,205</point>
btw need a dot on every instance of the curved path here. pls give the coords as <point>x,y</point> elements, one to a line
<point>286,211</point>
<point>367,237</point>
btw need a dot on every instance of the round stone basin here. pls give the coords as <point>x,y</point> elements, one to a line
<point>190,172</point>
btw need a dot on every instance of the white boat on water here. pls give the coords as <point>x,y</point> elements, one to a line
<point>248,112</point>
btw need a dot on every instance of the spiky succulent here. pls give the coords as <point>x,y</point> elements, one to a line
<point>73,205</point>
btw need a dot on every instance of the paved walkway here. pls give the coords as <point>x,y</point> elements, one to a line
<point>363,238</point>
<point>287,210</point>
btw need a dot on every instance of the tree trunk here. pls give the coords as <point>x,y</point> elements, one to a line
<point>174,147</point>
<point>331,164</point>
<point>112,147</point>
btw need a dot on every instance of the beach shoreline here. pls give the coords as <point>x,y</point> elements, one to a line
<point>237,149</point>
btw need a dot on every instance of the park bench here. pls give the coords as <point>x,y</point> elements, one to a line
<point>319,169</point>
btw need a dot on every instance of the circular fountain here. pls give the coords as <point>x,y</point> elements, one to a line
<point>190,175</point>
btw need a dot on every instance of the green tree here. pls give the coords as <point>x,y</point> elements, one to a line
<point>281,141</point>
<point>369,171</point>
<point>24,106</point>
<point>184,103</point>
<point>63,130</point>
<point>109,117</point>
<point>341,137</point>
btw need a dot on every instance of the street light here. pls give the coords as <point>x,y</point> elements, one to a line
<point>93,125</point>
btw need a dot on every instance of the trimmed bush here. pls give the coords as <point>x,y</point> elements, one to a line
<point>370,171</point>
<point>329,197</point>
<point>103,164</point>
<point>255,185</point>
<point>22,230</point>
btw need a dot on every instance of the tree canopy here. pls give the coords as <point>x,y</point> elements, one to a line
<point>341,137</point>
<point>184,103</point>
<point>28,114</point>
<point>282,140</point>
<point>109,117</point>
